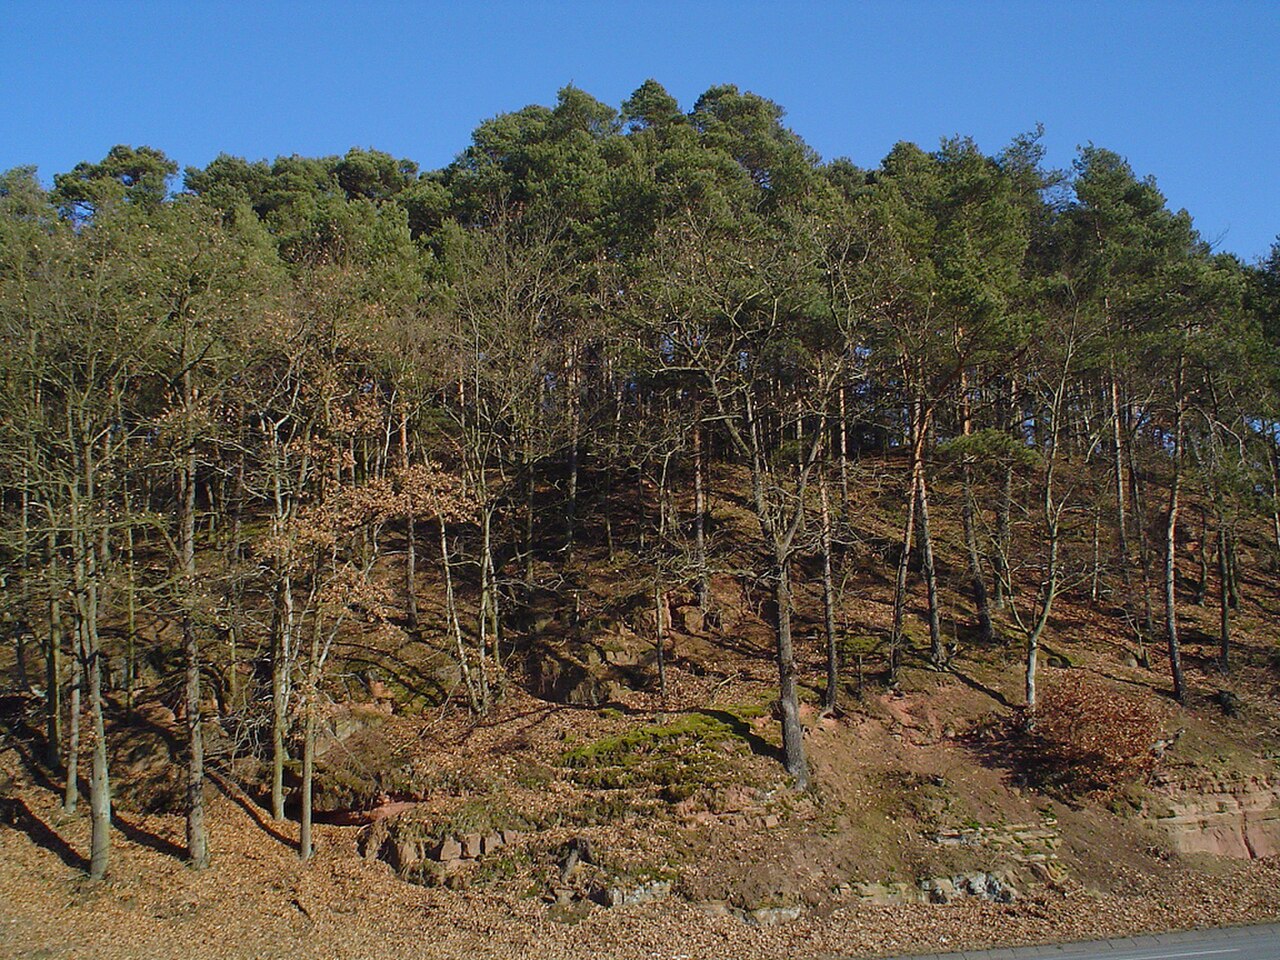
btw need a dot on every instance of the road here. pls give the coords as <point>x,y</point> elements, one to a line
<point>1233,943</point>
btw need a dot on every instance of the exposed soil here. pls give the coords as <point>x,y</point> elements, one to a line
<point>684,791</point>
<point>258,900</point>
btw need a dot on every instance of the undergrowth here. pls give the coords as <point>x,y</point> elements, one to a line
<point>679,757</point>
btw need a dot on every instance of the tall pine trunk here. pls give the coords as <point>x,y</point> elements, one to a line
<point>937,655</point>
<point>1170,546</point>
<point>71,792</point>
<point>1224,602</point>
<point>699,523</point>
<point>53,681</point>
<point>1002,586</point>
<point>281,660</point>
<point>99,777</point>
<point>197,838</point>
<point>411,541</point>
<point>900,583</point>
<point>968,511</point>
<point>1144,548</point>
<point>828,602</point>
<point>920,431</point>
<point>792,732</point>
<point>475,697</point>
<point>305,845</point>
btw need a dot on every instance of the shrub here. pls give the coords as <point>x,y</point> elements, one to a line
<point>1089,737</point>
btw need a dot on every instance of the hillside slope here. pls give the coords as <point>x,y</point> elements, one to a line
<point>590,815</point>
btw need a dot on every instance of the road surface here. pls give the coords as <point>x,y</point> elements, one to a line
<point>1232,943</point>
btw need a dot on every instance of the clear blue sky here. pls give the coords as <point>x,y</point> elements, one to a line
<point>1189,92</point>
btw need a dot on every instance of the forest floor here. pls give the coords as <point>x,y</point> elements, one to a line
<point>683,792</point>
<point>259,900</point>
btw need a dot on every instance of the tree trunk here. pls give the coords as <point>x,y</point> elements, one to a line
<point>1095,572</point>
<point>1002,585</point>
<point>1050,588</point>
<point>22,628</point>
<point>660,634</point>
<point>1117,448</point>
<point>937,655</point>
<point>305,848</point>
<point>574,456</point>
<point>1144,549</point>
<point>1224,603</point>
<point>1170,548</point>
<point>197,838</point>
<point>282,637</point>
<point>411,573</point>
<point>976,578</point>
<point>900,583</point>
<point>86,596</point>
<point>451,612</point>
<point>482,643</point>
<point>131,615</point>
<point>699,524</point>
<point>828,603</point>
<point>53,681</point>
<point>1233,569</point>
<point>968,511</point>
<point>281,655</point>
<point>1202,558</point>
<point>530,490</point>
<point>792,732</point>
<point>411,541</point>
<point>1273,458</point>
<point>71,795</point>
<point>489,619</point>
<point>842,447</point>
<point>660,611</point>
<point>99,779</point>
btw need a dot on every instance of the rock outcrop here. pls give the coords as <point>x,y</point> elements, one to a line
<point>1225,817</point>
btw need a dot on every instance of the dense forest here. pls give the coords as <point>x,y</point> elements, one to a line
<point>245,409</point>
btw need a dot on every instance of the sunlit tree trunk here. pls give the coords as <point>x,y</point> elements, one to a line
<point>828,602</point>
<point>197,838</point>
<point>701,570</point>
<point>1170,542</point>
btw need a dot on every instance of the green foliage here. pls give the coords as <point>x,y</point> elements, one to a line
<point>990,447</point>
<point>138,175</point>
<point>554,316</point>
<point>650,107</point>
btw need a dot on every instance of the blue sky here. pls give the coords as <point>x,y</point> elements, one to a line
<point>1189,92</point>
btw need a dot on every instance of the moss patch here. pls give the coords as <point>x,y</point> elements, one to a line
<point>679,757</point>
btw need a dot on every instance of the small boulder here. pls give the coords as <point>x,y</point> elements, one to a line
<point>691,619</point>
<point>771,916</point>
<point>619,896</point>
<point>472,846</point>
<point>716,908</point>
<point>404,854</point>
<point>578,850</point>
<point>447,850</point>
<point>1228,701</point>
<point>939,890</point>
